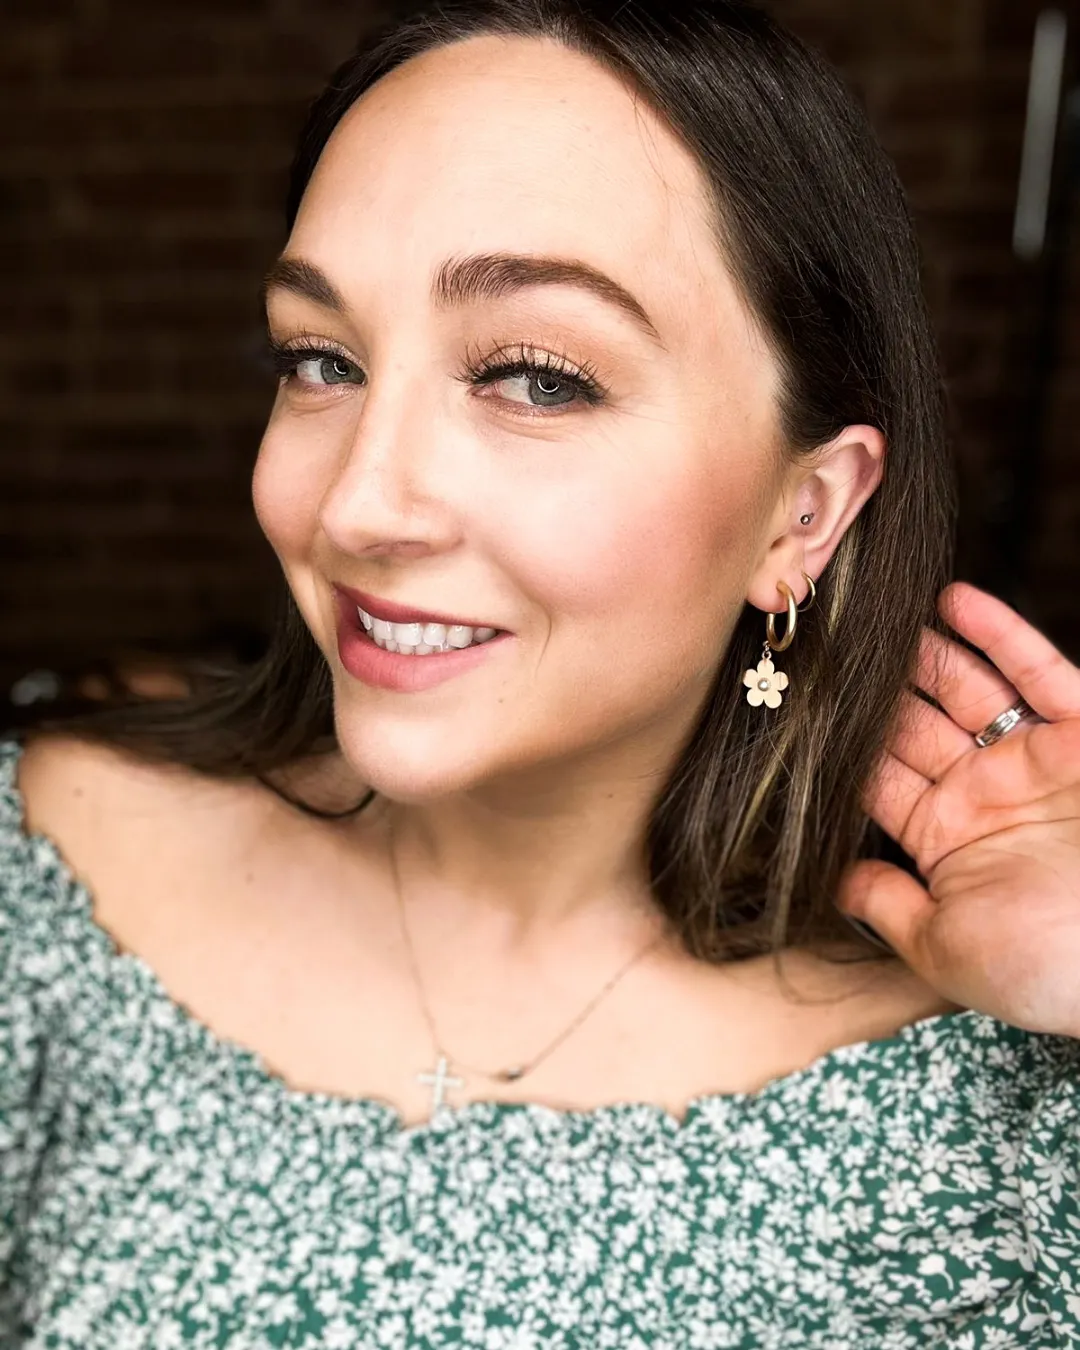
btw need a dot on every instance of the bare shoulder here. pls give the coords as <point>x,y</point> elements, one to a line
<point>124,825</point>
<point>838,997</point>
<point>174,858</point>
<point>85,792</point>
<point>875,998</point>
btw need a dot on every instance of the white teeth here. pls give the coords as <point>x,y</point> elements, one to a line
<point>421,639</point>
<point>408,634</point>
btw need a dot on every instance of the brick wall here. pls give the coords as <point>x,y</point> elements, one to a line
<point>143,151</point>
<point>945,84</point>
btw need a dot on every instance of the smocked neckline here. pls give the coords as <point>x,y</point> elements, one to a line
<point>232,1066</point>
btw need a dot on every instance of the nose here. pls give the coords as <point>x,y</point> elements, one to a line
<point>391,494</point>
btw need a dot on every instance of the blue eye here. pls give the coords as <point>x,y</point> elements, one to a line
<point>330,365</point>
<point>551,377</point>
<point>327,368</point>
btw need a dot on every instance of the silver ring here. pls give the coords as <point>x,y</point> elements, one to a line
<point>1002,724</point>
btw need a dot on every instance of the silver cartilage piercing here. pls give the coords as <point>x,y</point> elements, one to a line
<point>805,520</point>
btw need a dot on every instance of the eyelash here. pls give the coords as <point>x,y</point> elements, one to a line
<point>502,364</point>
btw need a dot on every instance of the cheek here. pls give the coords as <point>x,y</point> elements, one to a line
<point>286,489</point>
<point>662,561</point>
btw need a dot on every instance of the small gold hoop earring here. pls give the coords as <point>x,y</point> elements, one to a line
<point>765,685</point>
<point>782,644</point>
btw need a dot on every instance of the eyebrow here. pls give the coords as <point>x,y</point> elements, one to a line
<point>473,277</point>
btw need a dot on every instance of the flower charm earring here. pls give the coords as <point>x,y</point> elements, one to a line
<point>766,683</point>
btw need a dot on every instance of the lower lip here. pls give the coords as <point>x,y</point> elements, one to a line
<point>366,661</point>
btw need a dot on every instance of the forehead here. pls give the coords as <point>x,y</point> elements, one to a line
<point>500,143</point>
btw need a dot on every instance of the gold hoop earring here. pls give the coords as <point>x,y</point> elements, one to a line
<point>812,596</point>
<point>782,644</point>
<point>765,685</point>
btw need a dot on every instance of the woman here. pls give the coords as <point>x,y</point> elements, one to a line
<point>477,969</point>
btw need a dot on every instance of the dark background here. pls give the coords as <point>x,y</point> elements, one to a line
<point>143,154</point>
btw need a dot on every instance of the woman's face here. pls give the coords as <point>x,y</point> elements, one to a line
<point>610,528</point>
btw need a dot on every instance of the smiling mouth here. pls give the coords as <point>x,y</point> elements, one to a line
<point>422,639</point>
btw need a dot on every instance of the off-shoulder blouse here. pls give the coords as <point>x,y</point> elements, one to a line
<point>161,1188</point>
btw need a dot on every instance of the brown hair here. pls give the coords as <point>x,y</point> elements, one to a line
<point>762,812</point>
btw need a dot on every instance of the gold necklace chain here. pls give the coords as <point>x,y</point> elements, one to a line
<point>517,1072</point>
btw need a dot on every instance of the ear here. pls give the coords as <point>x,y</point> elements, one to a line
<point>833,487</point>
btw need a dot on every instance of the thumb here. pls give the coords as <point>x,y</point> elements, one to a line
<point>891,901</point>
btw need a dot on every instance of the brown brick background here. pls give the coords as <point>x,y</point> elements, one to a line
<point>143,149</point>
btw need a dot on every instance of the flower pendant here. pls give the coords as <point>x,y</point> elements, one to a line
<point>764,684</point>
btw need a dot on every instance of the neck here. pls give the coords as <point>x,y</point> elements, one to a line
<point>515,865</point>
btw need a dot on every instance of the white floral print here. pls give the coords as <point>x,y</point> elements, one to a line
<point>160,1189</point>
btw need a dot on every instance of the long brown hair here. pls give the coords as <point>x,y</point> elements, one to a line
<point>762,812</point>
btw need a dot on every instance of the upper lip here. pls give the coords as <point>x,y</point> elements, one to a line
<point>397,613</point>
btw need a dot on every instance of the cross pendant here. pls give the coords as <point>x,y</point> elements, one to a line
<point>439,1080</point>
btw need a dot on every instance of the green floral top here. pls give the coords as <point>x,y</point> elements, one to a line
<point>160,1188</point>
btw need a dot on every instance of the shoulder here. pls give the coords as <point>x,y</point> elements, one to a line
<point>68,782</point>
<point>127,829</point>
<point>163,849</point>
<point>88,794</point>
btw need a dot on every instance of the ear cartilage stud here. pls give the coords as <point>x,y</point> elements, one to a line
<point>805,520</point>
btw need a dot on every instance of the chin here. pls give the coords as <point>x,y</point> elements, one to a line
<point>411,764</point>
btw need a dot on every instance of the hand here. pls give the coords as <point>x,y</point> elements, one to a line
<point>994,831</point>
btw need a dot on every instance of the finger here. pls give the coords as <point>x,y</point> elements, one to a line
<point>1045,677</point>
<point>894,791</point>
<point>970,690</point>
<point>927,740</point>
<point>893,903</point>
